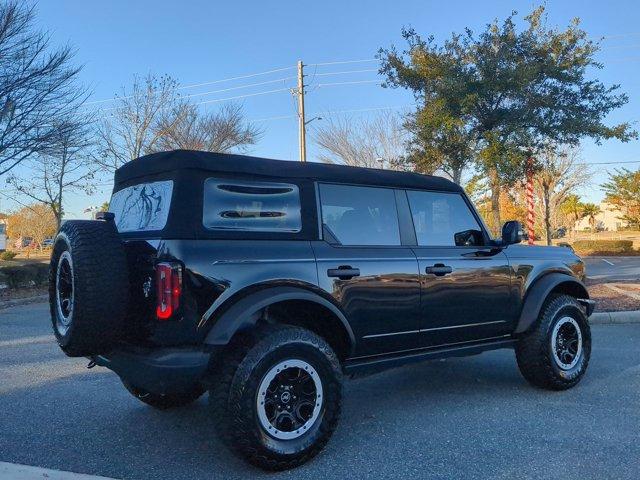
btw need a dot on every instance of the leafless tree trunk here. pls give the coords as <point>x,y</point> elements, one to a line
<point>37,86</point>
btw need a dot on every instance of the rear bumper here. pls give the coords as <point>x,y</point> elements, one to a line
<point>158,371</point>
<point>589,305</point>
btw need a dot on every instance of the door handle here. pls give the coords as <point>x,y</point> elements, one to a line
<point>439,269</point>
<point>344,272</point>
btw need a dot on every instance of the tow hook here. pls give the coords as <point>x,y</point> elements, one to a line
<point>91,364</point>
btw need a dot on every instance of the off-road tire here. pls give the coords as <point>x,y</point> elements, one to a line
<point>233,397</point>
<point>100,287</point>
<point>169,400</point>
<point>534,351</point>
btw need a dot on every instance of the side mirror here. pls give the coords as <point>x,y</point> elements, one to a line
<point>512,232</point>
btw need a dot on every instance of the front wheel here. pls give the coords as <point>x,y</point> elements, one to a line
<point>555,353</point>
<point>277,398</point>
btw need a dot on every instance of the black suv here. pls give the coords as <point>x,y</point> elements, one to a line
<point>265,282</point>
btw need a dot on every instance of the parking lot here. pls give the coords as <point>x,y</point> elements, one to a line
<point>460,418</point>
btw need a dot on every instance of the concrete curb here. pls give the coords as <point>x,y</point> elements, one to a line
<point>606,318</point>
<point>24,301</point>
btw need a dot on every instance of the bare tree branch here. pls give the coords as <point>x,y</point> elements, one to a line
<point>37,87</point>
<point>376,143</point>
<point>63,167</point>
<point>130,130</point>
<point>226,130</point>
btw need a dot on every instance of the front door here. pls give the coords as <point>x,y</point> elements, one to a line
<point>465,282</point>
<point>364,266</point>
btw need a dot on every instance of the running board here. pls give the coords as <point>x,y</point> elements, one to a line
<point>366,365</point>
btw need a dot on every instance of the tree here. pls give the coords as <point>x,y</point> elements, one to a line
<point>37,86</point>
<point>183,127</point>
<point>590,211</point>
<point>513,91</point>
<point>36,221</point>
<point>64,167</point>
<point>438,143</point>
<point>374,143</point>
<point>623,191</point>
<point>572,208</point>
<point>556,178</point>
<point>130,129</point>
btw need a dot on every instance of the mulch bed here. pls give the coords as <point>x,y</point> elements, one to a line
<point>609,300</point>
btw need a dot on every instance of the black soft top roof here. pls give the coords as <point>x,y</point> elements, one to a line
<point>262,167</point>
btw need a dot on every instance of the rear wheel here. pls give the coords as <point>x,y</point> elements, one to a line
<point>88,287</point>
<point>168,400</point>
<point>277,399</point>
<point>556,352</point>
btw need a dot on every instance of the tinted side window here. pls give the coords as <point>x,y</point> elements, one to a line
<point>360,215</point>
<point>443,219</point>
<point>251,206</point>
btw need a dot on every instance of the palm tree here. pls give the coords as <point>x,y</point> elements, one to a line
<point>590,210</point>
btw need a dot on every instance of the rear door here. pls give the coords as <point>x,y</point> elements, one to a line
<point>465,281</point>
<point>364,265</point>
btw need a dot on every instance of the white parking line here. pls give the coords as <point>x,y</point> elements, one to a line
<point>607,261</point>
<point>28,341</point>
<point>15,471</point>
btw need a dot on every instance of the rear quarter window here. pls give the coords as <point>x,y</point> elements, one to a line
<point>143,207</point>
<point>251,206</point>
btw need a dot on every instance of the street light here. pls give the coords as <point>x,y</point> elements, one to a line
<point>312,119</point>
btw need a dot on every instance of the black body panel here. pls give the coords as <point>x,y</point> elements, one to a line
<point>394,304</point>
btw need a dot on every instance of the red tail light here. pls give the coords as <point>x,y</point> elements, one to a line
<point>168,289</point>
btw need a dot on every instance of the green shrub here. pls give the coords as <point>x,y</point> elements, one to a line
<point>7,255</point>
<point>31,275</point>
<point>604,247</point>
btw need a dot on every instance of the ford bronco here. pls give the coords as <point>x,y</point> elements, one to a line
<point>266,282</point>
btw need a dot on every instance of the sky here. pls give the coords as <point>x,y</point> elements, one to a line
<point>198,42</point>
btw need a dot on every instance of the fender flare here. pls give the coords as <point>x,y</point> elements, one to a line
<point>540,290</point>
<point>243,313</point>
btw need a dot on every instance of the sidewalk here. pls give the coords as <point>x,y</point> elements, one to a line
<point>604,318</point>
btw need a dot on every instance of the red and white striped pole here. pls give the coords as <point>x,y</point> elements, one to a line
<point>531,216</point>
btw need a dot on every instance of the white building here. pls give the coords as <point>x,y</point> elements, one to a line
<point>608,219</point>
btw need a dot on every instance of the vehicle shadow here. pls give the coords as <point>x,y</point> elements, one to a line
<point>90,424</point>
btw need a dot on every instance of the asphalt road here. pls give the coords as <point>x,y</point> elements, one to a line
<point>613,268</point>
<point>455,419</point>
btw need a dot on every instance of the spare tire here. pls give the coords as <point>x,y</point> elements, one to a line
<point>88,287</point>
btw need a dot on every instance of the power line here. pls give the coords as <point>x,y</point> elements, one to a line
<point>345,72</point>
<point>243,96</point>
<point>621,35</point>
<point>194,85</point>
<point>612,47</point>
<point>347,83</point>
<point>609,163</point>
<point>342,62</point>
<point>200,94</point>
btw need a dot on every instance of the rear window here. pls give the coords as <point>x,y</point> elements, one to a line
<point>143,207</point>
<point>251,206</point>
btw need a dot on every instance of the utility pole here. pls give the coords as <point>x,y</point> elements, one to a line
<point>302,134</point>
